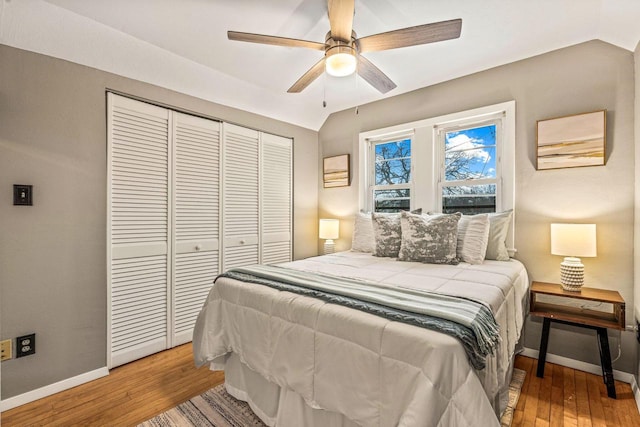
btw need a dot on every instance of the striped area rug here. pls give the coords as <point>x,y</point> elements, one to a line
<point>216,408</point>
<point>517,379</point>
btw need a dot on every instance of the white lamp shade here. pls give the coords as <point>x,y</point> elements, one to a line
<point>341,61</point>
<point>329,228</point>
<point>576,240</point>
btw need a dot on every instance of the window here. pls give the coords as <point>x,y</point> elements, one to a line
<point>391,181</point>
<point>469,179</point>
<point>459,162</point>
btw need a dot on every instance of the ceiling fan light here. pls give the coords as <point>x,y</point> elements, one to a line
<point>340,62</point>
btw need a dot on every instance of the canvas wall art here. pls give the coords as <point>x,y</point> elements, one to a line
<point>336,171</point>
<point>572,141</point>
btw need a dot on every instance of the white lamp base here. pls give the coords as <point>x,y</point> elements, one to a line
<point>329,247</point>
<point>572,274</point>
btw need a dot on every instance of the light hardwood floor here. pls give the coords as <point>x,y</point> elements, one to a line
<point>129,395</point>
<point>567,397</point>
<point>138,391</point>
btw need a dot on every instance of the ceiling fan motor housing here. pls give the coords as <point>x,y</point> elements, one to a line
<point>340,56</point>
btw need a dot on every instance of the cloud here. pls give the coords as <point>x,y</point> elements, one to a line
<point>462,142</point>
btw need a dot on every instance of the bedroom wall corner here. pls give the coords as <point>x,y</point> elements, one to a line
<point>586,77</point>
<point>636,245</point>
<point>53,254</point>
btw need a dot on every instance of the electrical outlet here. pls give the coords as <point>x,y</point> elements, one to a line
<point>5,350</point>
<point>25,345</point>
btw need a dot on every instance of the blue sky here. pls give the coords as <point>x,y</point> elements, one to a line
<point>477,147</point>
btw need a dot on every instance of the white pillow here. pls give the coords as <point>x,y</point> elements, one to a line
<point>363,239</point>
<point>498,230</point>
<point>473,238</point>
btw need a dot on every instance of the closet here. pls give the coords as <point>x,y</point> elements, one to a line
<point>188,197</point>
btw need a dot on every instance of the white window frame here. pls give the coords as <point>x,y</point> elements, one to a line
<point>425,158</point>
<point>441,130</point>
<point>372,187</point>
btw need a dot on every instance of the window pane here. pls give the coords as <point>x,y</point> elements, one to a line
<point>393,162</point>
<point>469,199</point>
<point>390,172</point>
<point>470,153</point>
<point>393,150</point>
<point>391,200</point>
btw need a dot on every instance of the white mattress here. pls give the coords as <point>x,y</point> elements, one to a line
<point>362,369</point>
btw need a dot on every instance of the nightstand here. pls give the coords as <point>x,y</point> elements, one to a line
<point>599,321</point>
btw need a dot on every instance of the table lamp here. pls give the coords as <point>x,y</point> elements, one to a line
<point>329,230</point>
<point>573,241</point>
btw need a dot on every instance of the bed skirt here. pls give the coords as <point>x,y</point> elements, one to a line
<point>283,407</point>
<point>275,405</point>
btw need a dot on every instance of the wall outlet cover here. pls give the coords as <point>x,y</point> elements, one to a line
<point>25,345</point>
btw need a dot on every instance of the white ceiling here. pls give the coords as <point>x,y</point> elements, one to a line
<point>182,44</point>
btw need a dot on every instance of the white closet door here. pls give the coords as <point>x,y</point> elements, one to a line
<point>197,177</point>
<point>241,197</point>
<point>138,222</point>
<point>276,198</point>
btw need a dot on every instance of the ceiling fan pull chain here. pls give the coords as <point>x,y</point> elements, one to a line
<point>357,93</point>
<point>324,91</point>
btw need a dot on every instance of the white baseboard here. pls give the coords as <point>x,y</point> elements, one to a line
<point>579,365</point>
<point>50,389</point>
<point>636,392</point>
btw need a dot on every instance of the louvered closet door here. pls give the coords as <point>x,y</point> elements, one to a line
<point>138,228</point>
<point>276,199</point>
<point>197,176</point>
<point>241,197</point>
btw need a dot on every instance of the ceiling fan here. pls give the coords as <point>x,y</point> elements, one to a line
<point>342,48</point>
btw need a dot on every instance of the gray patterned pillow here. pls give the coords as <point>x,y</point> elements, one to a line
<point>388,233</point>
<point>430,240</point>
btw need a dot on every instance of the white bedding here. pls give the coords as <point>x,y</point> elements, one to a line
<point>287,353</point>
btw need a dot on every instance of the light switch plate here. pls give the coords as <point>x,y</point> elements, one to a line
<point>22,195</point>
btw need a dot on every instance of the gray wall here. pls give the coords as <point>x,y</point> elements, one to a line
<point>53,254</point>
<point>586,77</point>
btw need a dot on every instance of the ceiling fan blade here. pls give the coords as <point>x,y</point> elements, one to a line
<point>420,34</point>
<point>308,77</point>
<point>374,76</point>
<point>341,19</point>
<point>274,40</point>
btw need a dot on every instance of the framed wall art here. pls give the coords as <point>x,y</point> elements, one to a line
<point>336,171</point>
<point>572,141</point>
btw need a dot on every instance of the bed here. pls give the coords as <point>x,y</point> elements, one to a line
<point>303,361</point>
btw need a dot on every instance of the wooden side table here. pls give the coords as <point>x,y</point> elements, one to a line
<point>599,321</point>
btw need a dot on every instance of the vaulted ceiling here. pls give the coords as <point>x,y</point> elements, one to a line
<point>182,44</point>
